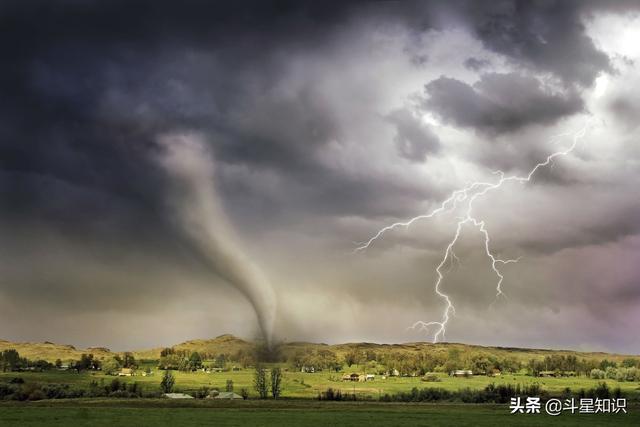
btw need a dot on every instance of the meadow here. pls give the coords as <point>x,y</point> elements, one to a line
<point>309,385</point>
<point>157,412</point>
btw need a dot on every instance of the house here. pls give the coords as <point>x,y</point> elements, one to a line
<point>352,377</point>
<point>125,372</point>
<point>370,377</point>
<point>177,396</point>
<point>308,369</point>
<point>461,373</point>
<point>548,374</point>
<point>394,373</point>
<point>228,395</point>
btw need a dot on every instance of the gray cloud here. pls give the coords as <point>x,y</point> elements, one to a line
<point>314,113</point>
<point>498,103</point>
<point>475,64</point>
<point>414,139</point>
<point>548,36</point>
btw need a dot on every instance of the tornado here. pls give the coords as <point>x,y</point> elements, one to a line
<point>198,211</point>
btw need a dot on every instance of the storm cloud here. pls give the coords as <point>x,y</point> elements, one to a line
<point>327,122</point>
<point>498,103</point>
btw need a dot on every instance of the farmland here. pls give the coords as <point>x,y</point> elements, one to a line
<point>308,385</point>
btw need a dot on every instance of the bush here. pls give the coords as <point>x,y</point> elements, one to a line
<point>490,394</point>
<point>336,395</point>
<point>610,373</point>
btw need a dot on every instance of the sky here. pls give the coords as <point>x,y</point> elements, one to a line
<point>180,170</point>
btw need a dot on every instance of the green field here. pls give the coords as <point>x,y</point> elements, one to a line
<point>308,385</point>
<point>150,412</point>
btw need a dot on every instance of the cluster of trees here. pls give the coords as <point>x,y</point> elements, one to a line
<point>180,361</point>
<point>619,374</point>
<point>114,364</point>
<point>336,395</point>
<point>405,362</point>
<point>495,394</point>
<point>17,389</point>
<point>10,360</point>
<point>318,359</point>
<point>242,357</point>
<point>264,385</point>
<point>86,362</point>
<point>420,363</point>
<point>570,364</point>
<point>559,363</point>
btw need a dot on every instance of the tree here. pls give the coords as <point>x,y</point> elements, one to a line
<point>352,358</point>
<point>229,385</point>
<point>86,362</point>
<point>195,361</point>
<point>170,361</point>
<point>128,361</point>
<point>260,381</point>
<point>276,382</point>
<point>167,383</point>
<point>220,361</point>
<point>167,351</point>
<point>58,363</point>
<point>10,360</point>
<point>111,365</point>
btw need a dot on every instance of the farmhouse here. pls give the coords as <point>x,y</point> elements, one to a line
<point>125,372</point>
<point>353,377</point>
<point>228,395</point>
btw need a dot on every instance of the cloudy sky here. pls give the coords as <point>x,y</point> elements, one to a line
<point>181,170</point>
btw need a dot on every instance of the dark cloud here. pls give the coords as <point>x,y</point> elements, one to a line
<point>475,64</point>
<point>414,139</point>
<point>548,36</point>
<point>303,116</point>
<point>498,103</point>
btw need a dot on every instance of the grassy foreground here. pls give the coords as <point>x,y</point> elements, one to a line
<point>155,412</point>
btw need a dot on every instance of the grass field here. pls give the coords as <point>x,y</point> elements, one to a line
<point>308,385</point>
<point>153,412</point>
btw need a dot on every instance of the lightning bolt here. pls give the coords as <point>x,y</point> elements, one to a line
<point>468,195</point>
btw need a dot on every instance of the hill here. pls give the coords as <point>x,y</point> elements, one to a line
<point>50,351</point>
<point>229,344</point>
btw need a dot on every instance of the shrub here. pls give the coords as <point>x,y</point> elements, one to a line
<point>336,395</point>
